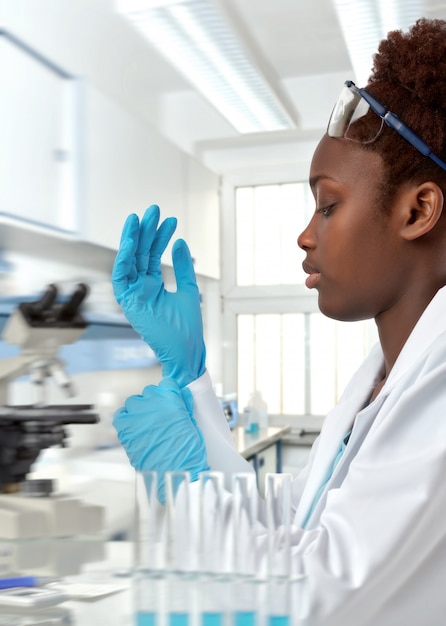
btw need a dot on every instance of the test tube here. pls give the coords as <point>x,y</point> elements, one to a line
<point>146,549</point>
<point>213,582</point>
<point>278,524</point>
<point>211,553</point>
<point>178,522</point>
<point>147,575</point>
<point>245,586</point>
<point>179,587</point>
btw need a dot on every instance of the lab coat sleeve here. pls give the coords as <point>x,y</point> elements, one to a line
<point>222,455</point>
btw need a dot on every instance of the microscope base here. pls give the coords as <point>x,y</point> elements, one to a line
<point>51,536</point>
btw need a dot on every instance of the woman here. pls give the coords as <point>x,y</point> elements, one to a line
<point>369,529</point>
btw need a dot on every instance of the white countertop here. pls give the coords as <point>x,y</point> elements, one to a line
<point>115,609</point>
<point>249,444</point>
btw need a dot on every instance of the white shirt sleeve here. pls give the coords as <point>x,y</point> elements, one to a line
<point>222,455</point>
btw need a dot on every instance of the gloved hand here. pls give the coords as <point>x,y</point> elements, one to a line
<point>159,433</point>
<point>170,323</point>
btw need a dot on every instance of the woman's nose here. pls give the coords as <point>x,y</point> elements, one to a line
<point>306,238</point>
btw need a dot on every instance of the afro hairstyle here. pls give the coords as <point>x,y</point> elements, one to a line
<point>408,77</point>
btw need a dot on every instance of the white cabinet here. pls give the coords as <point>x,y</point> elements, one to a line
<point>129,166</point>
<point>266,464</point>
<point>39,152</point>
<point>74,159</point>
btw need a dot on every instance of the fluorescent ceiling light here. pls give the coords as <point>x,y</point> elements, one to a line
<point>365,22</point>
<point>192,36</point>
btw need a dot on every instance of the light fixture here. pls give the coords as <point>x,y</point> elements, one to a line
<point>194,37</point>
<point>365,23</point>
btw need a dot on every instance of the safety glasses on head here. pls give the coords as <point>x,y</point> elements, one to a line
<point>348,121</point>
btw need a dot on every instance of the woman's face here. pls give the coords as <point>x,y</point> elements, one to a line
<point>353,251</point>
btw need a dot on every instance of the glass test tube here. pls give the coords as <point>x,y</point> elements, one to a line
<point>178,551</point>
<point>146,579</point>
<point>245,586</point>
<point>213,582</point>
<point>278,523</point>
<point>211,554</point>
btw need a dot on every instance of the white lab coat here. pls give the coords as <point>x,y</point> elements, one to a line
<point>374,547</point>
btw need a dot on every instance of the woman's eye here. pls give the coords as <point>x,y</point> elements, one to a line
<point>325,210</point>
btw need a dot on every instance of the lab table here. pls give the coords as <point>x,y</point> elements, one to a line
<point>119,609</point>
<point>115,609</point>
<point>262,448</point>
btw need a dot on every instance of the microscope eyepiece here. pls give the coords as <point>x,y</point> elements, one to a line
<point>69,310</point>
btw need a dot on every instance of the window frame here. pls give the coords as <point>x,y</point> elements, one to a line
<point>255,299</point>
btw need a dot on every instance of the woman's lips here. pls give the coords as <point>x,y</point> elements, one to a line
<point>312,280</point>
<point>313,277</point>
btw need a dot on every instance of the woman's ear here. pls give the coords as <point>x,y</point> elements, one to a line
<point>421,209</point>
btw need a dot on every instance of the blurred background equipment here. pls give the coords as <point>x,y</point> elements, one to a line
<point>40,328</point>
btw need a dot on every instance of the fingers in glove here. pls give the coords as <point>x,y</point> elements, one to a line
<point>162,238</point>
<point>183,266</point>
<point>147,233</point>
<point>124,268</point>
<point>183,394</point>
<point>130,230</point>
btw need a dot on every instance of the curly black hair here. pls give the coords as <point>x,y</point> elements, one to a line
<point>409,78</point>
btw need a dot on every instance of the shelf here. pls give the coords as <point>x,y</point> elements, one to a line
<point>39,241</point>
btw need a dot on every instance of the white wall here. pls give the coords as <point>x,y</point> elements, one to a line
<point>125,165</point>
<point>125,162</point>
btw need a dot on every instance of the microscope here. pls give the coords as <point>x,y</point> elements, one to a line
<point>29,510</point>
<point>40,328</point>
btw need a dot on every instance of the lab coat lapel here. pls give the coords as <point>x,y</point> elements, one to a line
<point>342,417</point>
<point>336,425</point>
<point>430,326</point>
<point>361,427</point>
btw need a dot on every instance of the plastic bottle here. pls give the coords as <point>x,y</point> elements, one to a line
<point>255,414</point>
<point>261,409</point>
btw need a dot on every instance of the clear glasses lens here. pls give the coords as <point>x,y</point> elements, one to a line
<point>353,119</point>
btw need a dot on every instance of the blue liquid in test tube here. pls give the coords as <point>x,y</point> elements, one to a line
<point>278,620</point>
<point>245,618</point>
<point>146,619</point>
<point>211,619</point>
<point>178,619</point>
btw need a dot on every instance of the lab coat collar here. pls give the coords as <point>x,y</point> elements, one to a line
<point>429,327</point>
<point>338,422</point>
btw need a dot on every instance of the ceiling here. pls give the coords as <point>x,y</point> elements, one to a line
<point>300,45</point>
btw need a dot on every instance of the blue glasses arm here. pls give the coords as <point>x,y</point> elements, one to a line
<point>394,122</point>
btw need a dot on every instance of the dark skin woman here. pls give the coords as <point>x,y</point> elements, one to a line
<point>368,532</point>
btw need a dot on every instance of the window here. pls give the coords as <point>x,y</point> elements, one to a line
<point>301,362</point>
<point>268,220</point>
<point>282,346</point>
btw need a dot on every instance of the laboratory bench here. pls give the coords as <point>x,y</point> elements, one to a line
<point>262,448</point>
<point>117,607</point>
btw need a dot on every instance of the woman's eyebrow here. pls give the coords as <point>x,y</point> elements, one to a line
<point>315,179</point>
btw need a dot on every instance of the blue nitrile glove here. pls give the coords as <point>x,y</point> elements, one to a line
<point>159,433</point>
<point>169,322</point>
